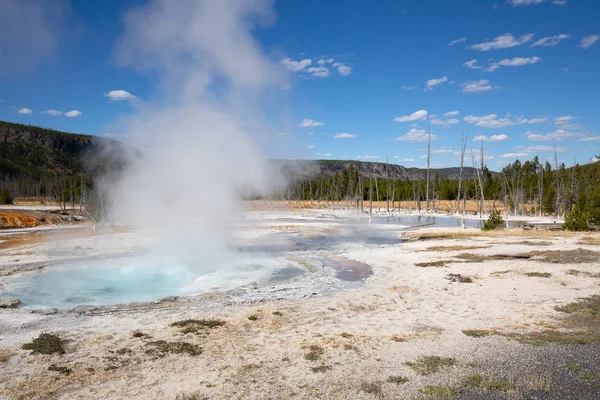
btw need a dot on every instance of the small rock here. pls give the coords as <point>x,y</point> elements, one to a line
<point>10,303</point>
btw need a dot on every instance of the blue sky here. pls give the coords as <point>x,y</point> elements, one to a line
<point>365,78</point>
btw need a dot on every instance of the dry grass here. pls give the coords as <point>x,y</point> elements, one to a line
<point>431,364</point>
<point>45,344</point>
<point>5,355</point>
<point>455,248</point>
<point>459,235</point>
<point>578,256</point>
<point>197,326</point>
<point>589,240</point>
<point>458,278</point>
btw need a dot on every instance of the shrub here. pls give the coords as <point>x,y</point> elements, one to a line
<point>576,220</point>
<point>493,222</point>
<point>5,197</point>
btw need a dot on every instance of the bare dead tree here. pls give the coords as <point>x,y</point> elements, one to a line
<point>428,165</point>
<point>463,147</point>
<point>482,178</point>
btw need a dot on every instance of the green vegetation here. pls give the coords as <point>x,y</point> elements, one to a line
<point>314,352</point>
<point>482,382</point>
<point>5,197</point>
<point>197,326</point>
<point>576,220</point>
<point>45,344</point>
<point>161,348</point>
<point>431,364</point>
<point>253,317</point>
<point>538,274</point>
<point>140,335</point>
<point>476,332</point>
<point>441,392</point>
<point>397,379</point>
<point>373,388</point>
<point>494,221</point>
<point>62,370</point>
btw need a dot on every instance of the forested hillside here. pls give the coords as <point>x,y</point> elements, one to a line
<point>38,162</point>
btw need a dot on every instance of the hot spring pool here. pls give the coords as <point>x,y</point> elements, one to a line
<point>139,279</point>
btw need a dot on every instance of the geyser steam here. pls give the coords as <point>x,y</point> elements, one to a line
<point>197,155</point>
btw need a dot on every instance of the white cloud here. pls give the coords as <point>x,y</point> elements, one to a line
<point>471,64</point>
<point>408,87</point>
<point>120,95</point>
<point>344,70</point>
<point>550,40</point>
<point>309,123</point>
<point>323,61</point>
<point>590,139</point>
<point>434,82</point>
<point>559,134</point>
<point>54,113</point>
<point>441,151</point>
<point>559,2</point>
<point>514,155</point>
<point>532,120</point>
<point>525,2</point>
<point>493,138</point>
<point>319,72</point>
<point>344,135</point>
<point>537,149</point>
<point>479,86</point>
<point>310,146</point>
<point>420,115</point>
<point>325,154</point>
<point>503,42</point>
<point>295,66</point>
<point>489,121</point>
<point>564,120</point>
<point>457,41</point>
<point>366,157</point>
<point>400,159</point>
<point>24,110</point>
<point>451,113</point>
<point>514,62</point>
<point>416,135</point>
<point>73,113</point>
<point>588,41</point>
<point>451,121</point>
<point>310,133</point>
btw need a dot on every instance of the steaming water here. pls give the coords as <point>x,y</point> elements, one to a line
<point>139,279</point>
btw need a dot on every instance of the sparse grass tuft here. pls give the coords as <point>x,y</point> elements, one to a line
<point>430,364</point>
<point>278,313</point>
<point>398,338</point>
<point>45,344</point>
<point>436,264</point>
<point>350,347</point>
<point>397,379</point>
<point>373,388</point>
<point>476,332</point>
<point>197,326</point>
<point>5,355</point>
<point>320,368</point>
<point>586,376</point>
<point>482,382</point>
<point>161,348</point>
<point>345,335</point>
<point>458,278</point>
<point>553,336</point>
<point>578,256</point>
<point>62,370</point>
<point>253,317</point>
<point>455,248</point>
<point>538,274</point>
<point>140,335</point>
<point>441,392</point>
<point>315,352</point>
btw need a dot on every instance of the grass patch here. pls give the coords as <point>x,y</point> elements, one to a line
<point>253,317</point>
<point>350,347</point>
<point>396,379</point>
<point>197,326</point>
<point>345,335</point>
<point>538,274</point>
<point>441,392</point>
<point>554,336</point>
<point>320,368</point>
<point>586,376</point>
<point>46,343</point>
<point>431,364</point>
<point>373,388</point>
<point>161,348</point>
<point>140,335</point>
<point>530,243</point>
<point>399,339</point>
<point>482,382</point>
<point>435,264</point>
<point>314,352</point>
<point>476,332</point>
<point>458,278</point>
<point>590,240</point>
<point>576,272</point>
<point>62,370</point>
<point>5,355</point>
<point>278,313</point>
<point>578,256</point>
<point>455,248</point>
<point>122,351</point>
<point>498,273</point>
